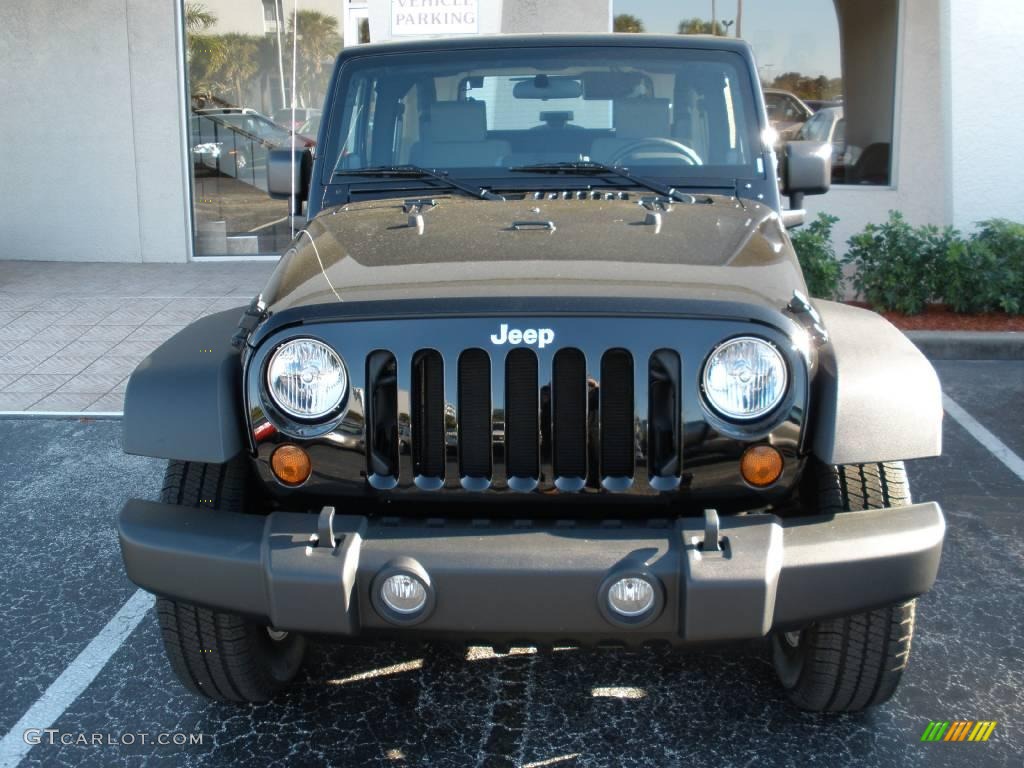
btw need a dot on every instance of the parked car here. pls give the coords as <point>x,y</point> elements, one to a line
<point>850,164</point>
<point>626,422</point>
<point>311,128</point>
<point>786,112</point>
<point>235,141</point>
<point>817,105</point>
<point>828,126</point>
<point>283,117</point>
<point>251,122</point>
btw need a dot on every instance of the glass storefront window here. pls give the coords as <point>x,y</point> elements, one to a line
<point>828,68</point>
<point>240,89</point>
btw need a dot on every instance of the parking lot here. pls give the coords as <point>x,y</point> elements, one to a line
<point>62,483</point>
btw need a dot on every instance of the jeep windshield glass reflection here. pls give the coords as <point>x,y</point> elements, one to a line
<point>675,113</point>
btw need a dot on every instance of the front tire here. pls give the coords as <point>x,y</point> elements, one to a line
<point>853,662</point>
<point>217,654</point>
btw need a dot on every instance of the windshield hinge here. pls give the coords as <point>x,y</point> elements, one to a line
<point>254,314</point>
<point>805,314</point>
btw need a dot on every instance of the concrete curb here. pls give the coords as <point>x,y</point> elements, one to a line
<point>90,415</point>
<point>969,345</point>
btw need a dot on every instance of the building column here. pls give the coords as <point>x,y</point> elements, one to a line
<point>982,109</point>
<point>155,65</point>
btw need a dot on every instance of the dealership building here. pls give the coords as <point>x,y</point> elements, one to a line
<point>137,130</point>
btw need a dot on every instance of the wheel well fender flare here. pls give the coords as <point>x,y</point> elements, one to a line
<point>184,400</point>
<point>876,396</point>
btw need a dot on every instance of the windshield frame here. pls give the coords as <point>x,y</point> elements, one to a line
<point>759,170</point>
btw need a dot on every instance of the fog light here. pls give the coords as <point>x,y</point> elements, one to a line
<point>761,465</point>
<point>403,594</point>
<point>291,465</point>
<point>631,597</point>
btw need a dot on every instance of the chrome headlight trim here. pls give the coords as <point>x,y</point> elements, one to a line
<point>777,368</point>
<point>317,354</point>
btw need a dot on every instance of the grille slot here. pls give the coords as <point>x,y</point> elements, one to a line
<point>663,419</point>
<point>617,436</point>
<point>382,419</point>
<point>523,420</point>
<point>427,403</point>
<point>569,417</point>
<point>475,414</point>
<point>522,411</point>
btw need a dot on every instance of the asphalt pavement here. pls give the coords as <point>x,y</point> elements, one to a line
<point>62,483</point>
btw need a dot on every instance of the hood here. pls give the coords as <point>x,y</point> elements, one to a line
<point>717,248</point>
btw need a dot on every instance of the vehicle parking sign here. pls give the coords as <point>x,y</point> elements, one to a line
<point>434,17</point>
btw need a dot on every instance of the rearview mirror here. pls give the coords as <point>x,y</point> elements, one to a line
<point>544,87</point>
<point>806,170</point>
<point>280,178</point>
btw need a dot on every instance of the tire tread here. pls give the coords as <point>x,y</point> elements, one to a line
<point>853,662</point>
<point>215,654</point>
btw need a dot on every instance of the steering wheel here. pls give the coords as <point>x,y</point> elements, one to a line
<point>656,142</point>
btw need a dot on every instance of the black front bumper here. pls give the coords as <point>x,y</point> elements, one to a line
<point>534,581</point>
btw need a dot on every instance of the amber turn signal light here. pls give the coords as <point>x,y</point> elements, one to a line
<point>291,465</point>
<point>761,465</point>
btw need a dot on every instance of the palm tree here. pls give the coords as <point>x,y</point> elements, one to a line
<point>241,63</point>
<point>318,43</point>
<point>627,22</point>
<point>198,18</point>
<point>205,52</point>
<point>698,26</point>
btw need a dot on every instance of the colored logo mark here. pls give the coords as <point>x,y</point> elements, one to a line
<point>958,730</point>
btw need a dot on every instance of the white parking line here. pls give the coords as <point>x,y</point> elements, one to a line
<point>76,678</point>
<point>995,446</point>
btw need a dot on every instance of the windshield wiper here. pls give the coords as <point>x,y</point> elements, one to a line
<point>591,168</point>
<point>416,172</point>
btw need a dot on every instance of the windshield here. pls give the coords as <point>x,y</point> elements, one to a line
<point>667,112</point>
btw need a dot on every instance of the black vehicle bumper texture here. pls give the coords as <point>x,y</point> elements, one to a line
<point>533,581</point>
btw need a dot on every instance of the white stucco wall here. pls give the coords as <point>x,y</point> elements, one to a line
<point>919,170</point>
<point>90,135</point>
<point>557,16</point>
<point>959,98</point>
<point>984,109</point>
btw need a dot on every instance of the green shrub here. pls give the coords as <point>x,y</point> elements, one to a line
<point>1005,242</point>
<point>813,245</point>
<point>970,277</point>
<point>903,268</point>
<point>896,264</point>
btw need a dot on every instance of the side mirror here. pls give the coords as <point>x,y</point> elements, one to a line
<point>280,178</point>
<point>806,170</point>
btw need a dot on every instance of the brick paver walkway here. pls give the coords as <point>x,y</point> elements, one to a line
<point>71,333</point>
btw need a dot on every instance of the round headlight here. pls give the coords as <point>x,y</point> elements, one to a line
<point>306,378</point>
<point>745,378</point>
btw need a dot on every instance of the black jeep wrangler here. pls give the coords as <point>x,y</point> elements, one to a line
<point>539,370</point>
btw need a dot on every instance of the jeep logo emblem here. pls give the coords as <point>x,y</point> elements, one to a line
<point>539,336</point>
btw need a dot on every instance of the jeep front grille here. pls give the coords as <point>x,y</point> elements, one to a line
<point>516,420</point>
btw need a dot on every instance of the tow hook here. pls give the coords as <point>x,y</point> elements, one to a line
<point>712,532</point>
<point>325,528</point>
